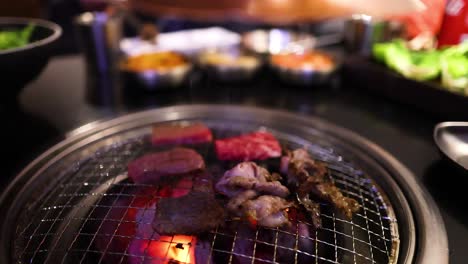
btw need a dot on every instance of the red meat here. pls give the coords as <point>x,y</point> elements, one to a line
<point>152,168</point>
<point>181,134</point>
<point>254,146</point>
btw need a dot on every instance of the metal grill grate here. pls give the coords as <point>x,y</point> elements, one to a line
<point>94,214</point>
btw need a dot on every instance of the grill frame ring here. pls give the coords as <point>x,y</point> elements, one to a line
<point>428,245</point>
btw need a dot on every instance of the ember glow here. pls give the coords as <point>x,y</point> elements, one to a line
<point>176,249</point>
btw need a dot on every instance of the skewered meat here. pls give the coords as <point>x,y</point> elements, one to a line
<point>191,214</point>
<point>152,168</point>
<point>309,176</point>
<point>253,146</point>
<point>249,176</point>
<point>181,134</point>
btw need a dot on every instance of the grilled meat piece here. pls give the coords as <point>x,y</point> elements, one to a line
<point>235,204</point>
<point>191,214</point>
<point>254,146</point>
<point>267,211</point>
<point>181,134</point>
<point>312,207</point>
<point>249,176</point>
<point>309,176</point>
<point>245,184</point>
<point>328,191</point>
<point>298,166</point>
<point>152,168</point>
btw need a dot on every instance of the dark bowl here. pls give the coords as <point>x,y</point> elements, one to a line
<point>19,66</point>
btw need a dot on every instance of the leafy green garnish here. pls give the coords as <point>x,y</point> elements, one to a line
<point>454,63</point>
<point>414,65</point>
<point>450,63</point>
<point>10,39</point>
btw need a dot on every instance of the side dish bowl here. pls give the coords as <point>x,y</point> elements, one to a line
<point>226,67</point>
<point>160,70</point>
<point>308,68</point>
<point>20,65</point>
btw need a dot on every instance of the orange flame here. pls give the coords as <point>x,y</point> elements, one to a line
<point>176,249</point>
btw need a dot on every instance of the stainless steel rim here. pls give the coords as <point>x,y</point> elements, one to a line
<point>429,246</point>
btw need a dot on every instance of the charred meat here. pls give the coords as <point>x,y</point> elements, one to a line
<point>310,176</point>
<point>253,146</point>
<point>181,134</point>
<point>154,167</point>
<point>191,214</point>
<point>250,176</point>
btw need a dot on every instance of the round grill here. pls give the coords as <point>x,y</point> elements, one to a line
<point>79,206</point>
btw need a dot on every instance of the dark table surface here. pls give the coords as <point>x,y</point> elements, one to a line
<point>55,103</point>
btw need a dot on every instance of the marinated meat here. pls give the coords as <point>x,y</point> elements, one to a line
<point>191,214</point>
<point>253,146</point>
<point>299,166</point>
<point>267,211</point>
<point>181,134</point>
<point>249,176</point>
<point>309,176</point>
<point>328,191</point>
<point>152,168</point>
<point>312,207</point>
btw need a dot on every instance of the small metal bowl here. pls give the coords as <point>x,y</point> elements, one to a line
<point>452,140</point>
<point>229,72</point>
<point>152,80</point>
<point>305,76</point>
<point>275,41</point>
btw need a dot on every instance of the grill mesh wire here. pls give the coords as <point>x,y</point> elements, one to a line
<point>81,218</point>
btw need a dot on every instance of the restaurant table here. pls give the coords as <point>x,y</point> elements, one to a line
<point>57,102</point>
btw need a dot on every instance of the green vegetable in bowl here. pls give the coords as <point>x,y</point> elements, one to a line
<point>10,39</point>
<point>454,65</point>
<point>416,65</point>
